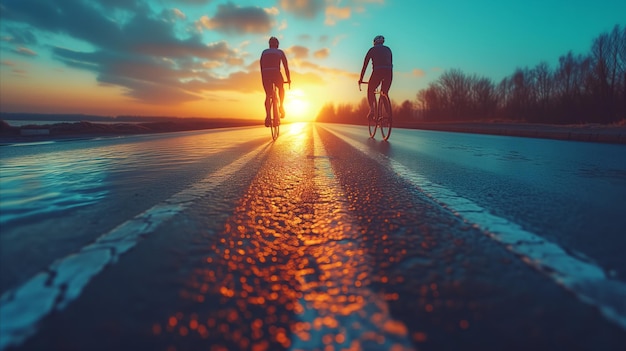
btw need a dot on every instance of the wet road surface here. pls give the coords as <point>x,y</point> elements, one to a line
<point>322,240</point>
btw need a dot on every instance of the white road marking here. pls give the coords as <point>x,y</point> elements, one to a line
<point>587,281</point>
<point>22,308</point>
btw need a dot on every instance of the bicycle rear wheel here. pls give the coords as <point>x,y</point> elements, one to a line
<point>372,123</point>
<point>384,111</point>
<point>274,118</point>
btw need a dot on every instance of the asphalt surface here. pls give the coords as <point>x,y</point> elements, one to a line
<point>307,243</point>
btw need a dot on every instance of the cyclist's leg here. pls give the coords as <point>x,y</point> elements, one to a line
<point>281,92</point>
<point>387,77</point>
<point>267,86</point>
<point>375,79</point>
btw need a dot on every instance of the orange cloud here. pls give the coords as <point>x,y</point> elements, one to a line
<point>303,8</point>
<point>418,72</point>
<point>321,53</point>
<point>334,13</point>
<point>298,51</point>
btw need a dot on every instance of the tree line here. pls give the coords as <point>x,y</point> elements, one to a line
<point>587,88</point>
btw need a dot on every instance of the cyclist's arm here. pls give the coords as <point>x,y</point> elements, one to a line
<point>261,59</point>
<point>286,66</point>
<point>365,62</point>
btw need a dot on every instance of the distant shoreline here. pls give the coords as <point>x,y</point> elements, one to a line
<point>614,134</point>
<point>68,117</point>
<point>46,131</point>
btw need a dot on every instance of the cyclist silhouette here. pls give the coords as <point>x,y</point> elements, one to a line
<point>382,71</point>
<point>271,75</point>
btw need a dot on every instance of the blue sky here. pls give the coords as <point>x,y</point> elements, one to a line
<point>200,57</point>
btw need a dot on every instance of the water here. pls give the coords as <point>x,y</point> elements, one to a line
<point>47,184</point>
<point>20,123</point>
<point>46,179</point>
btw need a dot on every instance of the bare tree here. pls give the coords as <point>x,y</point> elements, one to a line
<point>544,84</point>
<point>521,100</point>
<point>614,66</point>
<point>431,100</point>
<point>455,88</point>
<point>403,112</point>
<point>620,42</point>
<point>484,97</point>
<point>600,52</point>
<point>327,113</point>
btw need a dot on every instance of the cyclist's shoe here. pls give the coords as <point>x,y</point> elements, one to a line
<point>371,114</point>
<point>267,121</point>
<point>282,112</point>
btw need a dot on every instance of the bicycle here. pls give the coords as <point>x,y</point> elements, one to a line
<point>383,117</point>
<point>274,112</point>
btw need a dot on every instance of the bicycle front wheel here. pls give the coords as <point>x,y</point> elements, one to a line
<point>275,119</point>
<point>384,111</point>
<point>372,124</point>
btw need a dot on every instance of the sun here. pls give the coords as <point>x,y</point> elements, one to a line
<point>297,105</point>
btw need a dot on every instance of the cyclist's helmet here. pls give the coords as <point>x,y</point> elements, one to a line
<point>273,42</point>
<point>379,39</point>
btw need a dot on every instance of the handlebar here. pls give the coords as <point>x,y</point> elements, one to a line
<point>361,82</point>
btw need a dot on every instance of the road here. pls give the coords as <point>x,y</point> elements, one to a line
<point>322,240</point>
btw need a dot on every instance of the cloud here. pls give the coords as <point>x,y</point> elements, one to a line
<point>298,51</point>
<point>192,2</point>
<point>338,39</point>
<point>231,18</point>
<point>272,11</point>
<point>303,8</point>
<point>131,46</point>
<point>211,64</point>
<point>321,53</point>
<point>283,25</point>
<point>25,51</point>
<point>361,4</point>
<point>304,37</point>
<point>419,73</point>
<point>155,55</point>
<point>173,15</point>
<point>20,36</point>
<point>334,13</point>
<point>327,71</point>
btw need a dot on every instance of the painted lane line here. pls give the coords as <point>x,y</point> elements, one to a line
<point>588,281</point>
<point>22,308</point>
<point>356,318</point>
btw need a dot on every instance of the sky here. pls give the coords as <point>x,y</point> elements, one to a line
<point>200,58</point>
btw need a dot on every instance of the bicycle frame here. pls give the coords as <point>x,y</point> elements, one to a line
<point>275,112</point>
<point>383,117</point>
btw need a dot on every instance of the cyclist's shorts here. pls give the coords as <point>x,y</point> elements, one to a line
<point>271,77</point>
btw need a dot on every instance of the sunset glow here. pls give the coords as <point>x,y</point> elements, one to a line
<point>201,58</point>
<point>297,106</point>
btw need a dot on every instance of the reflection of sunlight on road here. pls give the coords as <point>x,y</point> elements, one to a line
<point>289,270</point>
<point>297,128</point>
<point>298,132</point>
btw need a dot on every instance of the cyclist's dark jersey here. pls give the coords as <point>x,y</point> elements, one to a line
<point>271,59</point>
<point>381,57</point>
